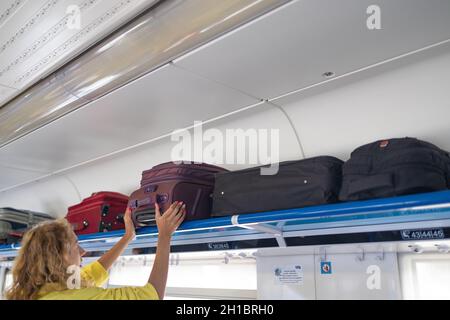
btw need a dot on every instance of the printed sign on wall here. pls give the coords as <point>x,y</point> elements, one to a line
<point>325,267</point>
<point>291,274</point>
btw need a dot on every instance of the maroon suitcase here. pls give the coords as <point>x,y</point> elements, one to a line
<point>192,184</point>
<point>101,212</point>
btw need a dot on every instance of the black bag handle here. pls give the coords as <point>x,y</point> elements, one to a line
<point>370,183</point>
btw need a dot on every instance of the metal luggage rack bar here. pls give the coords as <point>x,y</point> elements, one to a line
<point>421,211</point>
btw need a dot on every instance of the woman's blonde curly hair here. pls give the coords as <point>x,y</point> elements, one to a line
<point>42,259</point>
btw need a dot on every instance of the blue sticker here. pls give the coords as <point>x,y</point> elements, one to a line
<point>325,267</point>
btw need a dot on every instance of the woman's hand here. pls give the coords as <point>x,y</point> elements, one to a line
<point>169,222</point>
<point>130,231</point>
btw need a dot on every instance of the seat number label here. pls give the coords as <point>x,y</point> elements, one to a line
<point>429,234</point>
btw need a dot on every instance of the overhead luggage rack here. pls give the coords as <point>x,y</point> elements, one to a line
<point>390,219</point>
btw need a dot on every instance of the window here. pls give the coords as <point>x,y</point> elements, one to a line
<point>215,275</point>
<point>423,275</point>
<point>5,282</point>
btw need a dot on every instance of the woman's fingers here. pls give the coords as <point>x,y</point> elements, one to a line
<point>181,214</point>
<point>181,218</point>
<point>168,213</point>
<point>178,209</point>
<point>128,221</point>
<point>171,219</point>
<point>173,211</point>
<point>177,216</point>
<point>172,207</point>
<point>157,211</point>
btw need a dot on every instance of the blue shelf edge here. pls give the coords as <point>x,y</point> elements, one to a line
<point>418,207</point>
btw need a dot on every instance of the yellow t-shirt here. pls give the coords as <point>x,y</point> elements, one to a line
<point>95,273</point>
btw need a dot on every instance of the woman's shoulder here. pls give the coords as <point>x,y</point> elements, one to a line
<point>74,294</point>
<point>146,292</point>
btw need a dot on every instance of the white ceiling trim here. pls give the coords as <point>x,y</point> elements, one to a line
<point>7,87</point>
<point>40,38</point>
<point>73,41</point>
<point>12,175</point>
<point>22,169</point>
<point>39,15</point>
<point>48,36</point>
<point>12,9</point>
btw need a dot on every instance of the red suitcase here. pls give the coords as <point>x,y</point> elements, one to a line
<point>192,184</point>
<point>101,212</point>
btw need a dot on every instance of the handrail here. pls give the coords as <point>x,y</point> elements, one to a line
<point>322,211</point>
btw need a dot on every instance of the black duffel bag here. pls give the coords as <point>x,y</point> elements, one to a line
<point>394,167</point>
<point>297,184</point>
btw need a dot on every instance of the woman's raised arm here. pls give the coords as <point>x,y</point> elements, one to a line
<point>167,224</point>
<point>108,259</point>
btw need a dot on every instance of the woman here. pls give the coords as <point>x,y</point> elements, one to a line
<point>43,268</point>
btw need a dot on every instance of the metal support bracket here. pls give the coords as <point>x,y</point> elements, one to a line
<point>323,254</point>
<point>361,256</point>
<point>263,227</point>
<point>174,259</point>
<point>381,254</point>
<point>442,248</point>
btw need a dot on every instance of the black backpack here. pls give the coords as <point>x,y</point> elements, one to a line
<point>394,167</point>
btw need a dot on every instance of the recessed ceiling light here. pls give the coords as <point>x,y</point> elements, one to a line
<point>328,74</point>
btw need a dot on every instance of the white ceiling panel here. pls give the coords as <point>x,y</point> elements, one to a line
<point>44,34</point>
<point>11,176</point>
<point>154,105</point>
<point>122,172</point>
<point>292,47</point>
<point>408,100</point>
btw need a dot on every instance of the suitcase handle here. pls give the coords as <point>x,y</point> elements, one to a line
<point>370,183</point>
<point>150,201</point>
<point>151,188</point>
<point>144,202</point>
<point>80,227</point>
<point>145,219</point>
<point>105,210</point>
